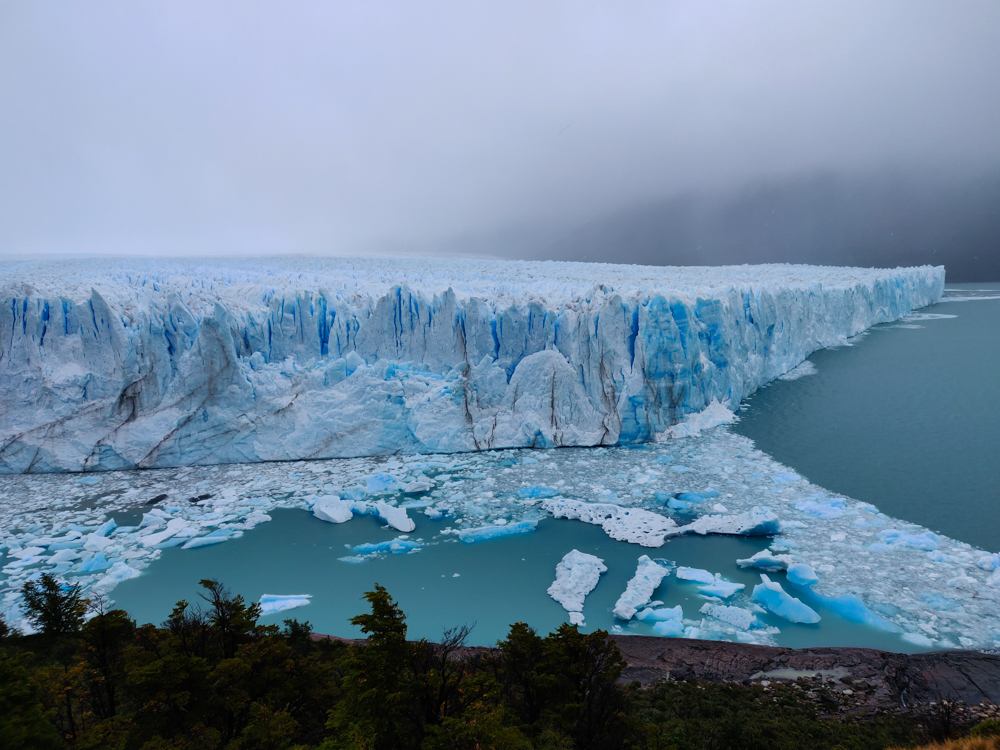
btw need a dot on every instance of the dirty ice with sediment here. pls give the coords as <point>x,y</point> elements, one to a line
<point>415,390</point>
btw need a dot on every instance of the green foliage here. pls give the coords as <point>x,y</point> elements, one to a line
<point>54,608</point>
<point>687,715</point>
<point>24,722</point>
<point>215,679</point>
<point>986,728</point>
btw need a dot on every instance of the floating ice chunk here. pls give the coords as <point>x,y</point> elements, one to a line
<point>695,574</point>
<point>802,575</point>
<point>394,517</point>
<point>536,492</point>
<point>738,617</point>
<point>381,482</point>
<point>95,542</point>
<point>577,575</point>
<point>989,562</point>
<point>215,537</point>
<point>785,477</point>
<point>119,572</point>
<point>673,628</point>
<point>720,589</point>
<point>938,602</point>
<point>332,509</point>
<point>713,415</point>
<point>173,527</point>
<point>272,603</point>
<point>853,609</point>
<point>106,528</point>
<point>649,614</point>
<point>773,598</point>
<point>767,561</point>
<point>755,522</point>
<point>889,538</point>
<point>918,639</point>
<point>640,588</point>
<point>89,480</point>
<point>393,547</point>
<point>94,564</point>
<point>494,532</point>
<point>64,555</point>
<point>633,525</point>
<point>830,508</point>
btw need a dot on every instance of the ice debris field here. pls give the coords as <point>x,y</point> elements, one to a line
<point>101,528</point>
<point>427,396</point>
<point>115,364</point>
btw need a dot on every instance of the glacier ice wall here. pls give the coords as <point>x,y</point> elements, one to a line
<point>131,364</point>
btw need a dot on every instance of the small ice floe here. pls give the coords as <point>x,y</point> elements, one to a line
<point>710,585</point>
<point>272,603</point>
<point>577,574</point>
<point>757,521</point>
<point>767,561</point>
<point>482,533</point>
<point>648,575</point>
<point>773,598</point>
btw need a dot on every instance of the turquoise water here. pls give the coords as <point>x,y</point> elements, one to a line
<point>907,419</point>
<point>499,581</point>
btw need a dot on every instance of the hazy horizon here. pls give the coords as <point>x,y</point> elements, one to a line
<point>656,133</point>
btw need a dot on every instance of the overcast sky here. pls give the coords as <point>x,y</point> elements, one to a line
<point>340,127</point>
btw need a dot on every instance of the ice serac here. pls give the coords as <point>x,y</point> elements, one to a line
<point>115,364</point>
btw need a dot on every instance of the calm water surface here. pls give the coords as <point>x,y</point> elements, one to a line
<point>907,419</point>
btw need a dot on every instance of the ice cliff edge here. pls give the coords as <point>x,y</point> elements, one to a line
<point>122,364</point>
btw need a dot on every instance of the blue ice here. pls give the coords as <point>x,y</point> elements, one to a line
<point>483,533</point>
<point>774,599</point>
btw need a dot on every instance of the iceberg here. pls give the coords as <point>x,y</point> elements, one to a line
<point>639,590</point>
<point>773,598</point>
<point>662,614</point>
<point>393,516</point>
<point>577,575</point>
<point>332,509</point>
<point>127,364</point>
<point>273,603</point>
<point>767,561</point>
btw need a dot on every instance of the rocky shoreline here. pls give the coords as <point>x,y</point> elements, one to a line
<point>842,681</point>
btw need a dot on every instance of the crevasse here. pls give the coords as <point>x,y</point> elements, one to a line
<point>121,364</point>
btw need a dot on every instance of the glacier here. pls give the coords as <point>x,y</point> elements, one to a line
<point>123,364</point>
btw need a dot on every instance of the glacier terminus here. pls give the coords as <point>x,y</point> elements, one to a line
<point>119,364</point>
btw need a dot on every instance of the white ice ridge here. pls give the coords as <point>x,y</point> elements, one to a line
<point>117,364</point>
<point>577,575</point>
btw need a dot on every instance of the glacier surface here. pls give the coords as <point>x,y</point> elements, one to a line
<point>116,364</point>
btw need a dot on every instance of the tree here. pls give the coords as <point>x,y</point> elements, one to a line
<point>378,710</point>
<point>23,719</point>
<point>54,608</point>
<point>231,617</point>
<point>104,640</point>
